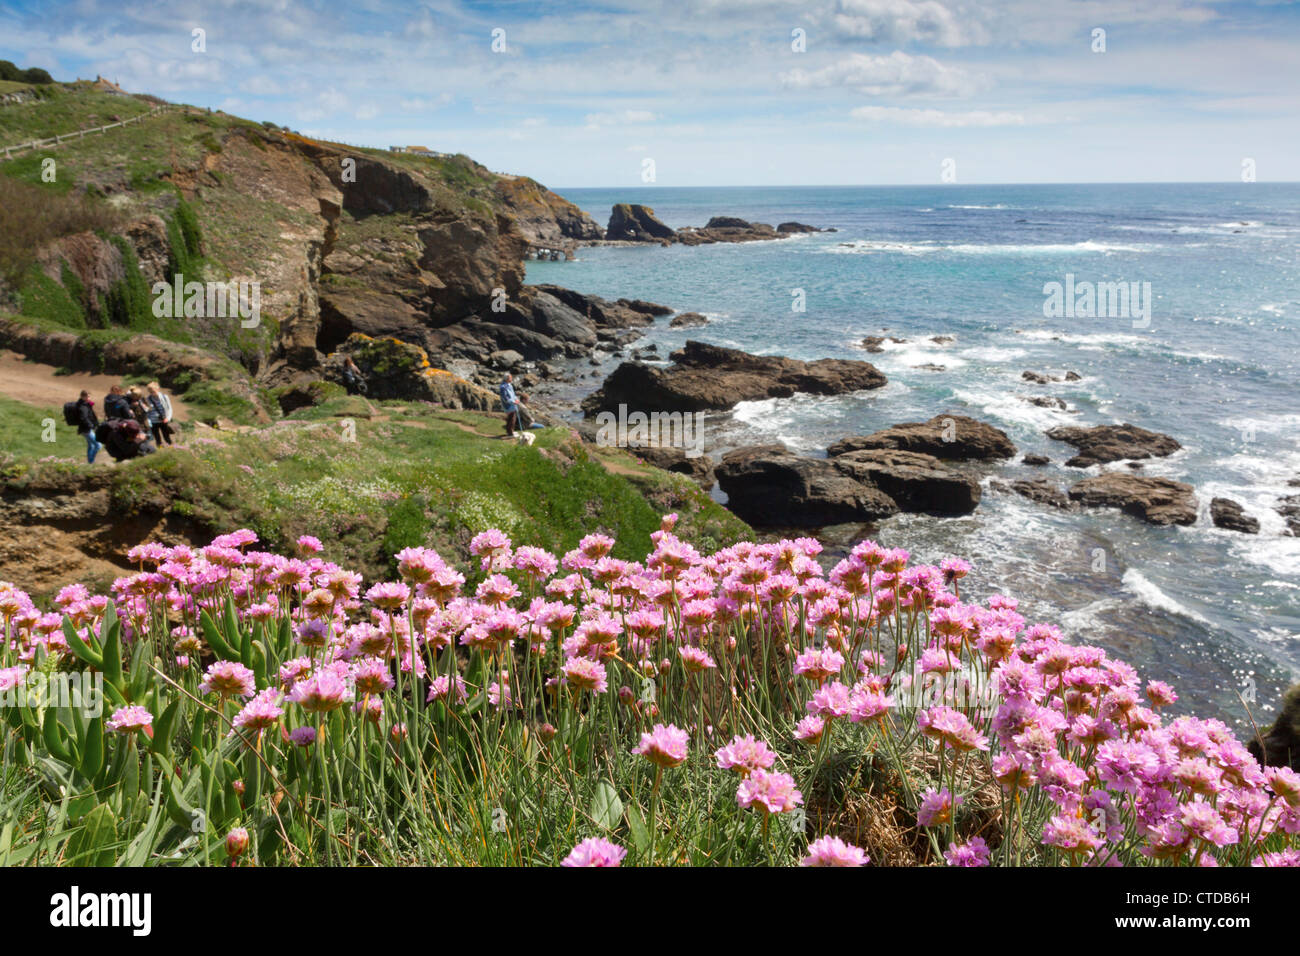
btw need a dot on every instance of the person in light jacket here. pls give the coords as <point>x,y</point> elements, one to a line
<point>160,414</point>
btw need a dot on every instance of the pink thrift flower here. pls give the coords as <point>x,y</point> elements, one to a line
<point>129,719</point>
<point>665,746</point>
<point>832,851</point>
<point>229,679</point>
<point>773,792</point>
<point>595,851</point>
<point>745,755</point>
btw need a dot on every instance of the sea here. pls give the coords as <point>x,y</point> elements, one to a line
<point>1208,352</point>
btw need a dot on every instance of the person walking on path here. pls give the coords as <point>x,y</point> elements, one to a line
<point>160,414</point>
<point>510,404</point>
<point>87,424</point>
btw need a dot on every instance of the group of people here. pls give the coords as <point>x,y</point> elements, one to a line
<point>137,421</point>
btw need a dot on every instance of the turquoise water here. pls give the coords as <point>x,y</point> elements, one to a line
<point>1217,366</point>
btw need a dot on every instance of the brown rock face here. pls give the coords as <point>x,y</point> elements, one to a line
<point>953,437</point>
<point>1229,515</point>
<point>1041,490</point>
<point>631,222</point>
<point>769,487</point>
<point>1104,443</point>
<point>916,482</point>
<point>1159,501</point>
<point>711,377</point>
<point>543,216</point>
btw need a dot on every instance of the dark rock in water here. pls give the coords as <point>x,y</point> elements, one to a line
<point>698,467</point>
<point>623,314</point>
<point>1104,443</point>
<point>942,339</point>
<point>1134,465</point>
<point>917,482</point>
<point>711,377</point>
<point>648,308</point>
<point>1229,515</point>
<point>875,343</point>
<point>767,486</point>
<point>1073,377</point>
<point>1045,401</point>
<point>727,229</point>
<point>1279,746</point>
<point>687,320</point>
<point>636,223</point>
<point>791,227</point>
<point>1041,490</point>
<point>1289,508</point>
<point>931,367</point>
<point>1159,501</point>
<point>1036,377</point>
<point>955,437</point>
<point>1036,460</point>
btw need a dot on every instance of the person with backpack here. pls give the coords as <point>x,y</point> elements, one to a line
<point>115,404</point>
<point>160,414</point>
<point>353,380</point>
<point>81,415</point>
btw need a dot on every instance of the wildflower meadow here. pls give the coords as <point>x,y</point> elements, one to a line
<point>742,708</point>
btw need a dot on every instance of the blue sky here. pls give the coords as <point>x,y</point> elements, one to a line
<point>714,91</point>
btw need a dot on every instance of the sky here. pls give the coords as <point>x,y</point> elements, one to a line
<point>726,92</point>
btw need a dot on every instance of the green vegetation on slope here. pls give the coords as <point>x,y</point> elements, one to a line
<point>411,475</point>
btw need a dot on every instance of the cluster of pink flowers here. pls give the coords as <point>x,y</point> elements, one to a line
<point>833,654</point>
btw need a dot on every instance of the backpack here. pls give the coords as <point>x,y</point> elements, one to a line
<point>72,413</point>
<point>103,432</point>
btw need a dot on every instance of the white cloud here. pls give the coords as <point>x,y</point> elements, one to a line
<point>898,74</point>
<point>906,21</point>
<point>936,118</point>
<point>620,118</point>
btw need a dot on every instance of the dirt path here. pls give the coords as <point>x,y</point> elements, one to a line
<point>36,384</point>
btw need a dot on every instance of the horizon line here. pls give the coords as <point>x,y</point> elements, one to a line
<point>1116,182</point>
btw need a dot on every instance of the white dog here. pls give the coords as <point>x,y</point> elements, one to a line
<point>524,438</point>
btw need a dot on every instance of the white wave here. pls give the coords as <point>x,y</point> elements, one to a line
<point>1280,554</point>
<point>1088,340</point>
<point>868,246</point>
<point>994,354</point>
<point>994,206</point>
<point>1050,248</point>
<point>1009,407</point>
<point>1150,595</point>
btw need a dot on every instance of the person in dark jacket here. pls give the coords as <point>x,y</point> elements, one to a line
<point>115,404</point>
<point>124,438</point>
<point>87,425</point>
<point>353,380</point>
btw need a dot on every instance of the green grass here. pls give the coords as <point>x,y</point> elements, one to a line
<point>24,429</point>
